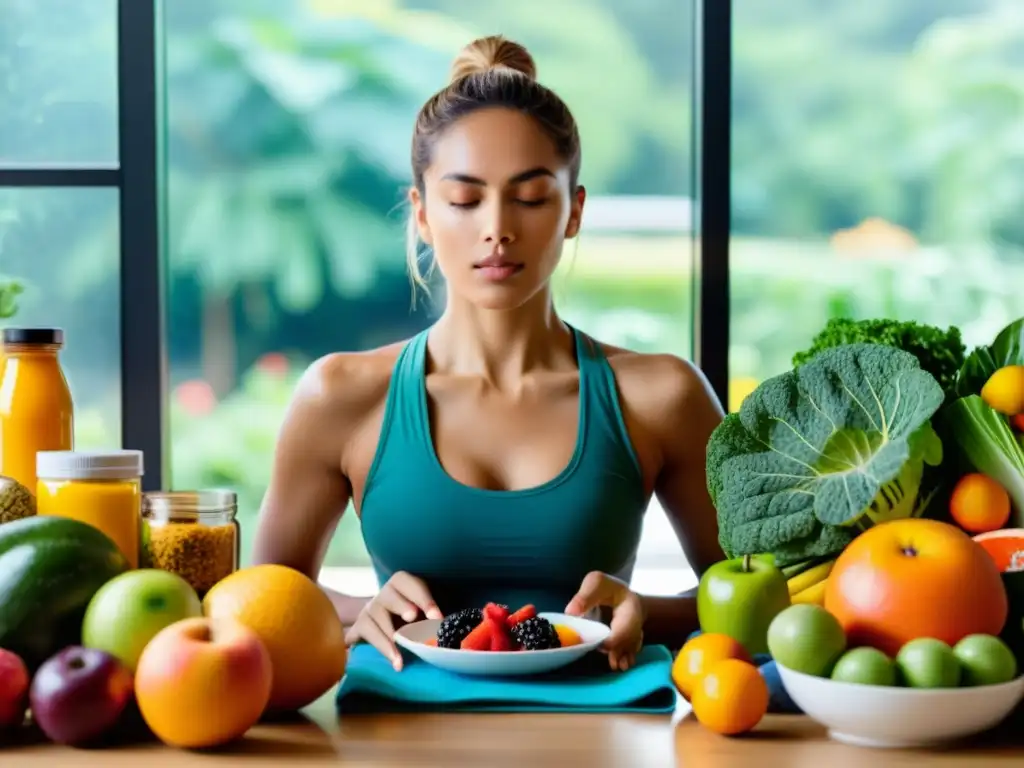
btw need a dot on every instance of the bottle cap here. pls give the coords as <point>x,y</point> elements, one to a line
<point>88,465</point>
<point>41,336</point>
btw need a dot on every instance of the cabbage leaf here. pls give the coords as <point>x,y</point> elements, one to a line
<point>820,452</point>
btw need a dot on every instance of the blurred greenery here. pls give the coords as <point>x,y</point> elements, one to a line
<point>288,135</point>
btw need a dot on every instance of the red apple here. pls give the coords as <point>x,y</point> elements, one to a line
<point>79,694</point>
<point>203,682</point>
<point>14,682</point>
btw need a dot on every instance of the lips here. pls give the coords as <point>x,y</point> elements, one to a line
<point>497,262</point>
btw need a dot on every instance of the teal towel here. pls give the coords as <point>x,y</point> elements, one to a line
<point>372,685</point>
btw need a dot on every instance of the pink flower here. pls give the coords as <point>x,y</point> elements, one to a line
<point>273,363</point>
<point>196,397</point>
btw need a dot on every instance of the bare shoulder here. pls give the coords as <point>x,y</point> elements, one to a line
<point>339,391</point>
<point>664,394</point>
<point>659,380</point>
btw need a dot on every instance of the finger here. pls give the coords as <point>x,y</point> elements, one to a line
<point>394,602</point>
<point>416,591</point>
<point>625,627</point>
<point>378,631</point>
<point>596,589</point>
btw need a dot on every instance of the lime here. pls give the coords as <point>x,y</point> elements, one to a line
<point>928,663</point>
<point>866,666</point>
<point>985,660</point>
<point>806,638</point>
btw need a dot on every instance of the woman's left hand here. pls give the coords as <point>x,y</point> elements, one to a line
<point>627,622</point>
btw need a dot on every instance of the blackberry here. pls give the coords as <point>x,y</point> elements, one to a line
<point>456,626</point>
<point>536,634</point>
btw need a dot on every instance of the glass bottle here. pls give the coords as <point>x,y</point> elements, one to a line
<point>36,409</point>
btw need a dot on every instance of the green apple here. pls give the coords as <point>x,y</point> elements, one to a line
<point>866,666</point>
<point>985,660</point>
<point>740,597</point>
<point>127,611</point>
<point>928,663</point>
<point>806,638</point>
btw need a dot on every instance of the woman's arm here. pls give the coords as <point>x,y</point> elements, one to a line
<point>689,412</point>
<point>308,493</point>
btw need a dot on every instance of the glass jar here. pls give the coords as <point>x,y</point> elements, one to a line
<point>36,410</point>
<point>101,488</point>
<point>193,534</point>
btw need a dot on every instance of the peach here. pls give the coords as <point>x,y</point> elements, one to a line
<point>203,682</point>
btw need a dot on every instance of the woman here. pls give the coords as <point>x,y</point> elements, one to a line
<point>500,455</point>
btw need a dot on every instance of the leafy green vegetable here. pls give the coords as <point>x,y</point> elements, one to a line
<point>988,445</point>
<point>940,352</point>
<point>9,292</point>
<point>1006,349</point>
<point>819,452</point>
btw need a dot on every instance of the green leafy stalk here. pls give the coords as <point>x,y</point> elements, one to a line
<point>988,445</point>
<point>1006,349</point>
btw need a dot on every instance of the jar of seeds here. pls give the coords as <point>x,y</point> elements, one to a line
<point>193,534</point>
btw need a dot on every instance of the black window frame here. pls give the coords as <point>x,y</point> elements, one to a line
<point>139,178</point>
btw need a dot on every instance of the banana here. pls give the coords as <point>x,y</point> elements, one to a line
<point>808,578</point>
<point>813,594</point>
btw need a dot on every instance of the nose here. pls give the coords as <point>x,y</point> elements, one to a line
<point>499,228</point>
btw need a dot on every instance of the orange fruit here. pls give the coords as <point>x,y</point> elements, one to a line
<point>979,504</point>
<point>731,698</point>
<point>567,635</point>
<point>296,622</point>
<point>913,578</point>
<point>699,654</point>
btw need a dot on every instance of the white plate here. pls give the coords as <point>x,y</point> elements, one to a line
<point>882,716</point>
<point>413,637</point>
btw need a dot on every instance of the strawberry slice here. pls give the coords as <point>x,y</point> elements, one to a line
<point>524,613</point>
<point>495,612</point>
<point>501,640</point>
<point>480,638</point>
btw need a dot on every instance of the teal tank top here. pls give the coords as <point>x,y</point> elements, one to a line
<point>472,546</point>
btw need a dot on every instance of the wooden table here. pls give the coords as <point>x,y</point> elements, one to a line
<point>525,741</point>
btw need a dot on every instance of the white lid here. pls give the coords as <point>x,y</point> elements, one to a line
<point>88,465</point>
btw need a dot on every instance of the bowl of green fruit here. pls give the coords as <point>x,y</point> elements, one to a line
<point>928,694</point>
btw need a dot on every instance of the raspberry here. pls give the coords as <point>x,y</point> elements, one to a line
<point>524,613</point>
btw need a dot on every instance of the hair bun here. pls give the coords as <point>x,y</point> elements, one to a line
<point>493,52</point>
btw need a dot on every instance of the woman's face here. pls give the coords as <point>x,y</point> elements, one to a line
<point>497,208</point>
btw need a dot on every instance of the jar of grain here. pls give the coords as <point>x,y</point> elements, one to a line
<point>193,534</point>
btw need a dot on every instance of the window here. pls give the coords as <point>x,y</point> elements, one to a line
<point>877,170</point>
<point>288,130</point>
<point>62,245</point>
<point>58,83</point>
<point>60,237</point>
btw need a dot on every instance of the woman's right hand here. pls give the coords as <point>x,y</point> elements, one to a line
<point>403,595</point>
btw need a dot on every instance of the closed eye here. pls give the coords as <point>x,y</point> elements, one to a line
<point>526,203</point>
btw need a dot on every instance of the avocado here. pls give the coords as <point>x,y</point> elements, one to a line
<point>16,501</point>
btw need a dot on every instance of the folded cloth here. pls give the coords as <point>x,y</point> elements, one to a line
<point>371,684</point>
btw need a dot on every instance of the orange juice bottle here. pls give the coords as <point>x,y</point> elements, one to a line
<point>36,410</point>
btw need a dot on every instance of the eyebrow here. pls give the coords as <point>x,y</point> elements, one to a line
<point>519,178</point>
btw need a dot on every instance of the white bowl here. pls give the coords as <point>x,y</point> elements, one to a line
<point>413,637</point>
<point>884,716</point>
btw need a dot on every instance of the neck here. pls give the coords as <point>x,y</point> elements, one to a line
<point>501,345</point>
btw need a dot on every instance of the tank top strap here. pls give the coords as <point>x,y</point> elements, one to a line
<point>404,427</point>
<point>598,386</point>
